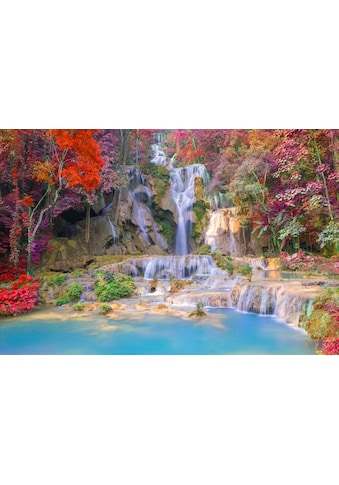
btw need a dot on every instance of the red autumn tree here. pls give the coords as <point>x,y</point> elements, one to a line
<point>73,161</point>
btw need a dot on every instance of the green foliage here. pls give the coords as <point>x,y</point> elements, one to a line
<point>62,300</point>
<point>166,221</point>
<point>74,291</point>
<point>246,270</point>
<point>200,210</point>
<point>104,309</point>
<point>58,280</point>
<point>319,325</point>
<point>162,176</point>
<point>156,171</point>
<point>292,229</point>
<point>199,311</point>
<point>110,286</point>
<point>79,307</point>
<point>177,285</point>
<point>329,237</point>
<point>224,262</point>
<point>204,249</point>
<point>77,273</point>
<point>229,267</point>
<point>330,295</point>
<point>168,231</point>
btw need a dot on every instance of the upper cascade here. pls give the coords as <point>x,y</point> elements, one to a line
<point>182,191</point>
<point>182,182</point>
<point>159,155</point>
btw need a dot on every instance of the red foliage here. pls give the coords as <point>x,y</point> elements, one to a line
<point>83,160</point>
<point>20,297</point>
<point>302,262</point>
<point>330,346</point>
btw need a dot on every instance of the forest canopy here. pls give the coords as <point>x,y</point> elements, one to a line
<point>284,183</point>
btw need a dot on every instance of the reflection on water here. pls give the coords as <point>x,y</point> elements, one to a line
<point>224,331</point>
<point>277,274</point>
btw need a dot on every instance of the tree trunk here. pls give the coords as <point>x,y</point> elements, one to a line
<point>29,261</point>
<point>124,146</point>
<point>88,222</point>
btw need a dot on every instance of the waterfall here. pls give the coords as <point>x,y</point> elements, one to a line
<point>159,155</point>
<point>182,191</point>
<point>165,267</point>
<point>114,234</point>
<point>180,267</point>
<point>265,300</point>
<point>141,196</point>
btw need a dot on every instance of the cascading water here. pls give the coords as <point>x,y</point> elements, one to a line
<point>141,196</point>
<point>165,267</point>
<point>182,191</point>
<point>159,155</point>
<point>114,234</point>
<point>180,267</point>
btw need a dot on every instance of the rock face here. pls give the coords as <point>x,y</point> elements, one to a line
<point>224,232</point>
<point>162,212</point>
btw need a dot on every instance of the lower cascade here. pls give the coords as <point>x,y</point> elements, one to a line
<point>214,287</point>
<point>249,297</point>
<point>166,267</point>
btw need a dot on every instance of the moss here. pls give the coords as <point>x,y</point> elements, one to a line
<point>166,221</point>
<point>200,208</point>
<point>224,262</point>
<point>162,179</point>
<point>177,285</point>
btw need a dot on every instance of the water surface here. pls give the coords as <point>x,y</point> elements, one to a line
<point>230,332</point>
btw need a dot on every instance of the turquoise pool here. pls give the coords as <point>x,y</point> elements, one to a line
<point>229,332</point>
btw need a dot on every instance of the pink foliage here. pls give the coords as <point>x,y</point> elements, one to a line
<point>330,346</point>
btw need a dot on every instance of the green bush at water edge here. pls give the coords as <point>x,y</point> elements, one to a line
<point>110,286</point>
<point>74,290</point>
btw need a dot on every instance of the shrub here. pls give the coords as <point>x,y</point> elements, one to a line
<point>204,249</point>
<point>59,279</point>
<point>229,267</point>
<point>224,262</point>
<point>62,300</point>
<point>74,291</point>
<point>320,325</point>
<point>104,309</point>
<point>20,296</point>
<point>77,273</point>
<point>177,285</point>
<point>246,270</point>
<point>331,347</point>
<point>109,286</point>
<point>199,311</point>
<point>79,307</point>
